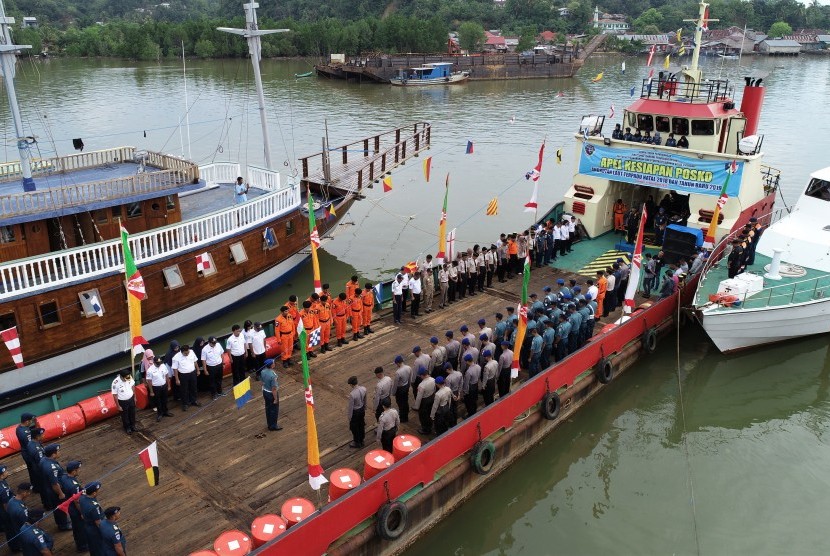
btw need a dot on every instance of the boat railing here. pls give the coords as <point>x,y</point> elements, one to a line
<point>771,178</point>
<point>801,291</point>
<point>220,172</point>
<point>681,91</point>
<point>26,276</point>
<point>263,178</point>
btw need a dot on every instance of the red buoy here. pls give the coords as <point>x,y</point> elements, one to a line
<point>226,364</point>
<point>98,408</point>
<point>342,481</point>
<point>62,422</point>
<point>295,510</point>
<point>272,347</point>
<point>203,553</point>
<point>8,441</point>
<point>403,445</point>
<point>232,543</point>
<point>142,397</point>
<point>266,527</point>
<point>375,462</point>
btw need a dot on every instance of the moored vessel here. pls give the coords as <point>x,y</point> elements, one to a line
<point>438,73</point>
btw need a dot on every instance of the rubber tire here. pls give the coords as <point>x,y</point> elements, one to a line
<point>604,370</point>
<point>548,412</point>
<point>649,340</point>
<point>484,457</point>
<point>391,520</point>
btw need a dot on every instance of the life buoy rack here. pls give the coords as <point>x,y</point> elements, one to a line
<point>391,520</point>
<point>604,370</point>
<point>725,299</point>
<point>551,405</point>
<point>649,340</point>
<point>483,457</point>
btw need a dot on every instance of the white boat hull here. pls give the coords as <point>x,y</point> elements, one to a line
<point>69,362</point>
<point>738,329</point>
<point>454,78</point>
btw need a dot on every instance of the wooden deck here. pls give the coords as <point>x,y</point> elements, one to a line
<point>220,467</point>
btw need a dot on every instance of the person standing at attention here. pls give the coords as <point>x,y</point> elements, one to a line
<point>158,383</point>
<point>310,324</point>
<point>428,284</point>
<point>237,348</point>
<point>387,425</point>
<point>444,285</point>
<point>70,485</point>
<point>400,386</point>
<point>184,365</point>
<point>383,391</point>
<point>212,366</point>
<point>397,298</point>
<point>33,539</point>
<point>271,395</point>
<point>240,191</point>
<point>24,436</point>
<point>339,309</point>
<point>619,216</point>
<point>356,412</point>
<point>92,514</point>
<point>324,319</point>
<point>124,396</point>
<point>415,289</point>
<point>368,299</point>
<point>356,306</point>
<point>112,538</point>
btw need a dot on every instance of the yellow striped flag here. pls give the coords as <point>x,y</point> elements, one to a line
<point>387,184</point>
<point>427,167</point>
<point>315,243</point>
<point>150,459</point>
<point>442,225</point>
<point>667,61</point>
<point>679,34</point>
<point>315,471</point>
<point>493,207</point>
<point>135,293</point>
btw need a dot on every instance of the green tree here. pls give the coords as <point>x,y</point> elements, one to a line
<point>204,48</point>
<point>779,29</point>
<point>527,38</point>
<point>471,36</point>
<point>651,18</point>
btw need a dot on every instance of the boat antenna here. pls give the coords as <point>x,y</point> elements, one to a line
<point>186,104</point>
<point>693,73</point>
<point>252,34</point>
<point>8,57</point>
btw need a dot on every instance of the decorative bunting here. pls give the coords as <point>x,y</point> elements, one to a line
<point>679,34</point>
<point>706,19</point>
<point>387,184</point>
<point>522,328</point>
<point>469,147</point>
<point>64,506</point>
<point>442,224</point>
<point>135,283</point>
<point>611,116</point>
<point>450,245</point>
<point>150,458</point>
<point>667,61</point>
<point>532,205</point>
<point>315,471</point>
<point>636,266</point>
<point>631,92</point>
<point>242,393</point>
<point>92,299</point>
<point>314,236</point>
<point>427,166</point>
<point>203,262</point>
<point>12,341</point>
<point>377,288</point>
<point>711,231</point>
<point>651,52</point>
<point>493,207</point>
<point>314,339</point>
<point>623,67</point>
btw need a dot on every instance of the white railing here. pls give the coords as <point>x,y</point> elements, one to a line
<point>263,178</point>
<point>26,276</point>
<point>220,172</point>
<point>78,161</point>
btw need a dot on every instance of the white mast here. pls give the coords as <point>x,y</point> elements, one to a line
<point>186,106</point>
<point>693,73</point>
<point>8,57</point>
<point>252,33</point>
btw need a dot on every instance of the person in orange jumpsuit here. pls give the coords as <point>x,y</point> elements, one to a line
<point>324,318</point>
<point>351,286</point>
<point>294,311</point>
<point>310,324</point>
<point>285,330</point>
<point>619,216</point>
<point>356,308</point>
<point>513,256</point>
<point>340,313</point>
<point>602,287</point>
<point>368,299</point>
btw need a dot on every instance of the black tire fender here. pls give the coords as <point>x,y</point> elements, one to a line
<point>391,520</point>
<point>483,457</point>
<point>649,340</point>
<point>551,405</point>
<point>605,370</point>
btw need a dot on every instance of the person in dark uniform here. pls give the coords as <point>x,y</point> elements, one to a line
<point>387,425</point>
<point>356,412</point>
<point>34,540</point>
<point>18,513</point>
<point>271,394</point>
<point>735,258</point>
<point>6,494</point>
<point>24,436</point>
<point>92,514</point>
<point>505,364</point>
<point>113,541</point>
<point>400,387</point>
<point>34,451</point>
<point>50,488</point>
<point>70,485</point>
<point>441,414</point>
<point>424,400</point>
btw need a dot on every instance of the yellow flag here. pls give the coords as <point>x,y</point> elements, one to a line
<point>493,207</point>
<point>679,34</point>
<point>597,78</point>
<point>667,61</point>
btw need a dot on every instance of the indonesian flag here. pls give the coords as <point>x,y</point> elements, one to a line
<point>12,341</point>
<point>711,231</point>
<point>135,283</point>
<point>651,54</point>
<point>150,459</point>
<point>315,471</point>
<point>315,243</point>
<point>535,174</point>
<point>636,266</point>
<point>522,329</point>
<point>442,225</point>
<point>203,262</point>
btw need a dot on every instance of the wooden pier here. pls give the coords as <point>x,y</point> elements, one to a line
<point>220,467</point>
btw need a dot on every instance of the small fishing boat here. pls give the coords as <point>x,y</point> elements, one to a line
<point>306,74</point>
<point>438,73</point>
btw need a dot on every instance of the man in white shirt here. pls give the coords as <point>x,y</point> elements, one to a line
<point>428,283</point>
<point>397,298</point>
<point>415,290</point>
<point>158,383</point>
<point>122,392</point>
<point>237,348</point>
<point>212,366</point>
<point>404,287</point>
<point>184,365</point>
<point>258,347</point>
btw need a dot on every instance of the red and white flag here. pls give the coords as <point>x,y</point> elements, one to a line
<point>450,256</point>
<point>12,341</point>
<point>315,237</point>
<point>706,19</point>
<point>651,54</point>
<point>636,266</point>
<point>203,262</point>
<point>611,116</point>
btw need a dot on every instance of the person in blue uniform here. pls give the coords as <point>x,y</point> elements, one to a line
<point>18,513</point>
<point>50,488</point>
<point>271,395</point>
<point>548,337</point>
<point>536,346</point>
<point>92,514</point>
<point>70,485</point>
<point>6,494</point>
<point>34,453</point>
<point>33,540</point>
<point>24,436</point>
<point>114,543</point>
<point>563,330</point>
<point>576,326</point>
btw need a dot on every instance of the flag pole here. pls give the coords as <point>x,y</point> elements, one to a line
<point>130,353</point>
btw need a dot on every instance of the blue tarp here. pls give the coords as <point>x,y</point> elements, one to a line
<point>687,230</point>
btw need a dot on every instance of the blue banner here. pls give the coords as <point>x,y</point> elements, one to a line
<point>657,168</point>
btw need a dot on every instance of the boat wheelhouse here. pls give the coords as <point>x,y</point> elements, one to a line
<point>437,73</point>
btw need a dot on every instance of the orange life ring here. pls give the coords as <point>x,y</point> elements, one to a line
<point>725,299</point>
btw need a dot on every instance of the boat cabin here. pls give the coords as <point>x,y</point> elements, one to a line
<point>85,198</point>
<point>437,70</point>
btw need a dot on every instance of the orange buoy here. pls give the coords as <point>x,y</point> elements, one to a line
<point>403,445</point>
<point>8,441</point>
<point>226,364</point>
<point>375,462</point>
<point>295,510</point>
<point>62,422</point>
<point>203,553</point>
<point>232,543</point>
<point>272,347</point>
<point>142,397</point>
<point>342,481</point>
<point>98,408</point>
<point>266,527</point>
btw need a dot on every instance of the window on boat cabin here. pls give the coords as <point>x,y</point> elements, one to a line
<point>101,216</point>
<point>645,122</point>
<point>134,210</point>
<point>680,126</point>
<point>820,189</point>
<point>116,212</point>
<point>663,124</point>
<point>91,304</point>
<point>269,239</point>
<point>171,202</point>
<point>289,228</point>
<point>238,254</point>
<point>205,265</point>
<point>172,277</point>
<point>7,235</point>
<point>7,320</point>
<point>703,127</point>
<point>49,314</point>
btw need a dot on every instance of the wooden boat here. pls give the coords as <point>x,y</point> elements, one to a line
<point>306,74</point>
<point>438,73</point>
<point>62,271</point>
